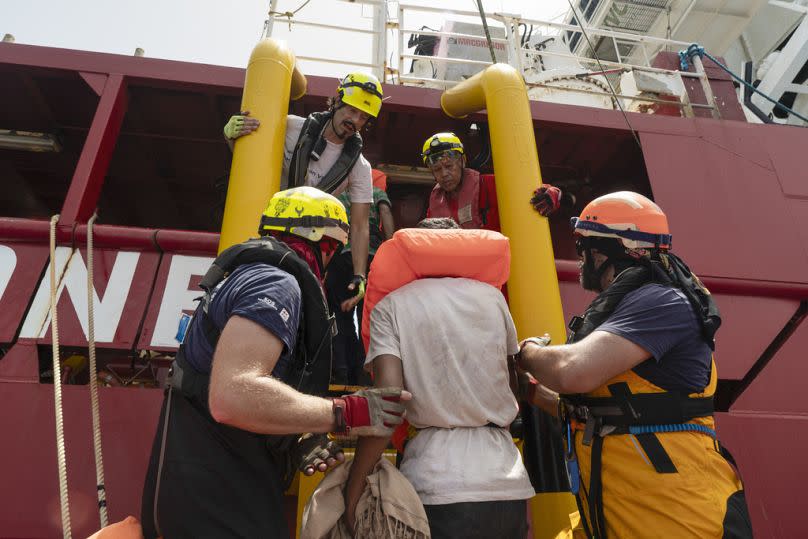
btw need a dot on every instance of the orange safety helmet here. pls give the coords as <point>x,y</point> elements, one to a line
<point>632,219</point>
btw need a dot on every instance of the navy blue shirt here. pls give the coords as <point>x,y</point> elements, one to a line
<point>259,292</point>
<point>661,320</point>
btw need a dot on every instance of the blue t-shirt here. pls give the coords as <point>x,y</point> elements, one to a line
<point>661,320</point>
<point>259,292</point>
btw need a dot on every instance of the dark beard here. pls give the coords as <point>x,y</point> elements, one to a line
<point>590,277</point>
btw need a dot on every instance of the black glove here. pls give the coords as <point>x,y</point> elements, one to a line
<point>358,282</point>
<point>547,199</point>
<point>313,452</point>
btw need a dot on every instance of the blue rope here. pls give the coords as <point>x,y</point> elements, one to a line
<point>675,427</point>
<point>696,50</point>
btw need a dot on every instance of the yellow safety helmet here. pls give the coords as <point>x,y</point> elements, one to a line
<point>306,212</point>
<point>439,143</point>
<point>363,91</point>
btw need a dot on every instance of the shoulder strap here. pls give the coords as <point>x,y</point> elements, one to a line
<point>310,141</point>
<point>606,302</point>
<point>345,162</point>
<point>311,368</point>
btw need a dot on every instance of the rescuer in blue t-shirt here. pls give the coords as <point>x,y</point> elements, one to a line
<point>634,385</point>
<point>249,379</point>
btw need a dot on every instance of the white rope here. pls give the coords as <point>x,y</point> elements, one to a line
<point>99,460</point>
<point>57,387</point>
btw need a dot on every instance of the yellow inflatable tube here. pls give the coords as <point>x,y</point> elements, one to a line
<point>255,175</point>
<point>533,292</point>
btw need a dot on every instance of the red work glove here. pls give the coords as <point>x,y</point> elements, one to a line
<point>547,199</point>
<point>370,412</point>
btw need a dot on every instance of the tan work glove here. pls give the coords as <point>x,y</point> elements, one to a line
<point>370,412</point>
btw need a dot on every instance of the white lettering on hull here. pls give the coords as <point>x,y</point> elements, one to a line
<point>107,311</point>
<point>8,262</point>
<point>177,297</point>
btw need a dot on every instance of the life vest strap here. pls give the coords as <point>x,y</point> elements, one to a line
<point>627,409</point>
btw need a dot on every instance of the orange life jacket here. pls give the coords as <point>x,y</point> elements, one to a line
<point>467,212</point>
<point>415,253</point>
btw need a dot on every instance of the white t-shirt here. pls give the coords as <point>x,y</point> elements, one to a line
<point>453,337</point>
<point>359,181</point>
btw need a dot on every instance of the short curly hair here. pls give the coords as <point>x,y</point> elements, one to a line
<point>438,223</point>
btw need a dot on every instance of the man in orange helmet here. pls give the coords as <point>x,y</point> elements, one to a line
<point>634,385</point>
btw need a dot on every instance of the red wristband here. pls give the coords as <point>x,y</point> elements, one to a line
<point>356,412</point>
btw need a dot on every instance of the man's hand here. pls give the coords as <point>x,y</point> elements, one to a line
<point>316,453</point>
<point>356,287</point>
<point>542,341</point>
<point>240,125</point>
<point>371,412</point>
<point>547,199</point>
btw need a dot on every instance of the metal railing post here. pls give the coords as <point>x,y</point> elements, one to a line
<point>379,40</point>
<point>705,84</point>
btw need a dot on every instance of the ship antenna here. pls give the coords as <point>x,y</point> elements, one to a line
<point>600,66</point>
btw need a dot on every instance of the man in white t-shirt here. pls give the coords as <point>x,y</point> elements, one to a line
<point>325,151</point>
<point>447,341</point>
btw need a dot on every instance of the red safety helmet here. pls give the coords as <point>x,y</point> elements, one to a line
<point>632,219</point>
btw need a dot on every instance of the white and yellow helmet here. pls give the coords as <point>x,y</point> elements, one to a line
<point>363,91</point>
<point>306,212</point>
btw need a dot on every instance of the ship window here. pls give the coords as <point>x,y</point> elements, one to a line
<point>170,165</point>
<point>43,125</point>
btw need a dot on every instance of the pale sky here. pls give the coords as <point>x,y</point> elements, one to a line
<point>221,32</point>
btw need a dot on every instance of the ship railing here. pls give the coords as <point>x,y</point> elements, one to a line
<point>390,60</point>
<point>377,31</point>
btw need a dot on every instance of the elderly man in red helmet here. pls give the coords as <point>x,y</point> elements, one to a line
<point>324,151</point>
<point>634,385</point>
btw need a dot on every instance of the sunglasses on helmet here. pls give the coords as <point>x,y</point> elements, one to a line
<point>368,86</point>
<point>435,158</point>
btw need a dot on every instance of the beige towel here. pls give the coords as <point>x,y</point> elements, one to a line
<point>389,507</point>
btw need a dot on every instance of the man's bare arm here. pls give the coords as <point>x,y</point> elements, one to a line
<point>243,394</point>
<point>360,236</point>
<point>582,366</point>
<point>386,218</point>
<point>387,372</point>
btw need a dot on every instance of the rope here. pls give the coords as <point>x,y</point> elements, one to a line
<point>611,88</point>
<point>487,33</point>
<point>696,50</point>
<point>287,14</point>
<point>57,387</point>
<point>99,461</point>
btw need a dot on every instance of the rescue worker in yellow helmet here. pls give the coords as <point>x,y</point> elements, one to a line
<point>465,195</point>
<point>249,378</point>
<point>325,151</point>
<point>636,381</point>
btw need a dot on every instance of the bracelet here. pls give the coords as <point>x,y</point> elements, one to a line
<point>338,407</point>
